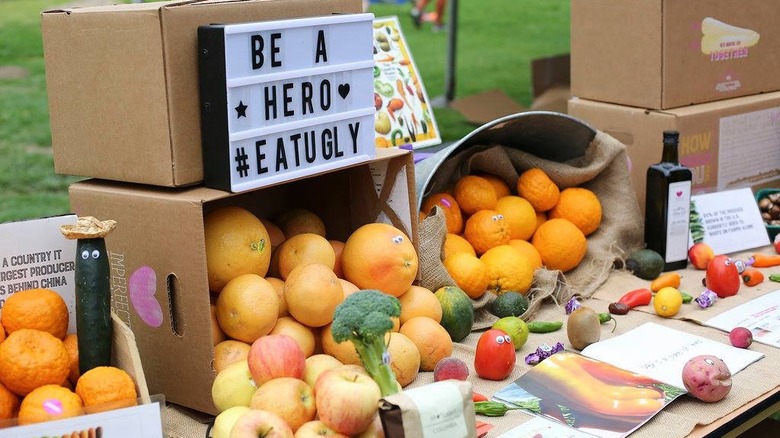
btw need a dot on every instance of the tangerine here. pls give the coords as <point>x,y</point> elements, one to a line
<point>508,270</point>
<point>537,188</point>
<point>499,185</point>
<point>455,243</point>
<point>48,403</point>
<point>474,193</point>
<point>561,244</point>
<point>452,214</point>
<point>581,206</point>
<point>105,388</point>
<point>71,343</point>
<point>469,272</point>
<point>486,229</point>
<point>40,309</point>
<point>9,403</point>
<point>30,358</point>
<point>527,249</point>
<point>520,216</point>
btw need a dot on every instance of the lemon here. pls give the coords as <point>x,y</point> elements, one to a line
<point>667,301</point>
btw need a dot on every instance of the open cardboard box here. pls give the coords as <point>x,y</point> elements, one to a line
<point>160,231</point>
<point>122,82</point>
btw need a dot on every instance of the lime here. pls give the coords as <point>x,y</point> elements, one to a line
<point>515,327</point>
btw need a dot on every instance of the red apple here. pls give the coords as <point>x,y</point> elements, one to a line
<point>375,430</point>
<point>258,423</point>
<point>776,243</point>
<point>316,364</point>
<point>316,429</point>
<point>290,398</point>
<point>225,421</point>
<point>700,255</point>
<point>347,400</point>
<point>273,356</point>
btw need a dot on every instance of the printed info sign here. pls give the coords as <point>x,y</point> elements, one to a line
<point>285,99</point>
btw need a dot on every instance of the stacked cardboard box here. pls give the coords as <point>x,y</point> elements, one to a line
<point>709,69</point>
<point>123,91</point>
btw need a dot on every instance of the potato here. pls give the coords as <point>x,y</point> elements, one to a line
<point>707,378</point>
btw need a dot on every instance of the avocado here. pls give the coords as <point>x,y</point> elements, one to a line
<point>509,303</point>
<point>645,264</point>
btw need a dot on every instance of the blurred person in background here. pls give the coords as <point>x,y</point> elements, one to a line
<point>437,16</point>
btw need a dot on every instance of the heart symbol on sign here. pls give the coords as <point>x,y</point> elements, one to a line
<point>141,287</point>
<point>344,90</point>
<point>679,194</point>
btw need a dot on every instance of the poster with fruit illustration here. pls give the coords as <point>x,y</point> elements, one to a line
<point>589,395</point>
<point>404,115</point>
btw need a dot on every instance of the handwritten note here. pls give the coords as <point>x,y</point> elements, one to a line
<point>728,221</point>
<point>660,352</point>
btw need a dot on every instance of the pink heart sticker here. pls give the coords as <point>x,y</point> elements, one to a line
<point>679,194</point>
<point>141,287</point>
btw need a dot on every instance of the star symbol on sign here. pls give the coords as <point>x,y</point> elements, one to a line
<point>241,109</point>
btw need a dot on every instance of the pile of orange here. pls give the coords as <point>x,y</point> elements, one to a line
<point>287,274</point>
<point>499,232</point>
<point>39,368</point>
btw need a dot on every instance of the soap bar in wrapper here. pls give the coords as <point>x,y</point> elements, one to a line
<point>437,410</point>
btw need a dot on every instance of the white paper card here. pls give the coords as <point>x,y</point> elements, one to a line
<point>761,315</point>
<point>661,352</point>
<point>542,427</point>
<point>730,219</point>
<point>35,254</point>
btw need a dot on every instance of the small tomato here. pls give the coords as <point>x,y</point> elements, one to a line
<point>495,355</point>
<point>776,242</point>
<point>723,276</point>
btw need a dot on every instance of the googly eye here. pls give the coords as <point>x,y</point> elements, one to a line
<point>727,262</point>
<point>507,338</point>
<point>496,218</point>
<point>85,254</point>
<point>95,254</point>
<point>500,339</point>
<point>398,239</point>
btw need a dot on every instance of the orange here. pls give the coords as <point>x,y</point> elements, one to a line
<point>48,403</point>
<point>106,388</point>
<point>380,256</point>
<point>274,232</point>
<point>474,193</point>
<point>236,243</point>
<point>31,358</point>
<point>561,244</point>
<point>419,301</point>
<point>247,308</point>
<point>469,272</point>
<point>299,221</point>
<point>312,293</point>
<point>302,334</point>
<point>343,351</point>
<point>404,357</point>
<point>486,229</point>
<point>338,248</point>
<point>508,270</point>
<point>278,285</point>
<point>40,309</point>
<point>520,215</point>
<point>348,288</point>
<point>537,188</point>
<point>452,213</point>
<point>2,332</point>
<point>527,249</point>
<point>302,249</point>
<point>541,217</point>
<point>454,243</point>
<point>581,206</point>
<point>499,185</point>
<point>432,340</point>
<point>229,351</point>
<point>217,335</point>
<point>71,343</point>
<point>9,403</point>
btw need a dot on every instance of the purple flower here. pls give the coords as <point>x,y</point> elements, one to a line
<point>543,352</point>
<point>572,305</point>
<point>706,299</point>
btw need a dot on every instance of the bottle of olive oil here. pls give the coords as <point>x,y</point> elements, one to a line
<point>668,205</point>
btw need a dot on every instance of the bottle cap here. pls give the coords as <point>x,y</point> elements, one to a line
<point>671,137</point>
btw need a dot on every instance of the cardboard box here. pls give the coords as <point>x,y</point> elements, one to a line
<point>122,82</point>
<point>663,54</point>
<point>161,231</point>
<point>728,144</point>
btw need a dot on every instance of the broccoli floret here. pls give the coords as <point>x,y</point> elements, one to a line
<point>364,318</point>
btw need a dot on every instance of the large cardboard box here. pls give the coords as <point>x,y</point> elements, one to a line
<point>728,144</point>
<point>122,82</point>
<point>158,257</point>
<point>664,54</point>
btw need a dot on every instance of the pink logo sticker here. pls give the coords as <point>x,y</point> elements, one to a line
<point>679,194</point>
<point>53,406</point>
<point>141,288</point>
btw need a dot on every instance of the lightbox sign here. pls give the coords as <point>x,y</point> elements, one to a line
<point>285,99</point>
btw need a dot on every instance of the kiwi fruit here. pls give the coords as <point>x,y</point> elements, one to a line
<point>583,327</point>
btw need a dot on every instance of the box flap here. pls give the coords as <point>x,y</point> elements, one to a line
<point>483,107</point>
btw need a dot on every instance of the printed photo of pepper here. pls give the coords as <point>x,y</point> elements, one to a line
<point>590,395</point>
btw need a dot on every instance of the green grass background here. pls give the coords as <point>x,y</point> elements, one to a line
<point>496,42</point>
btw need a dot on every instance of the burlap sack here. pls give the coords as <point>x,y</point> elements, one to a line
<point>602,168</point>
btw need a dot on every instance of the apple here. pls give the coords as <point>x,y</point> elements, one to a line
<point>316,429</point>
<point>347,400</point>
<point>700,255</point>
<point>224,422</point>
<point>375,430</point>
<point>290,398</point>
<point>256,423</point>
<point>233,386</point>
<point>275,355</point>
<point>316,364</point>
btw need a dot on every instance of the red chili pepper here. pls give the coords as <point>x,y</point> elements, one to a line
<point>477,397</point>
<point>638,297</point>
